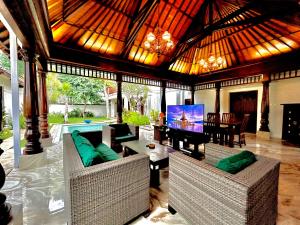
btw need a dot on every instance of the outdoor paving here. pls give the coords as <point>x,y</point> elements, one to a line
<point>38,194</point>
<point>7,158</point>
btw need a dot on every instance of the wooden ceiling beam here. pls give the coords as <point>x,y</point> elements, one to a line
<point>29,20</point>
<point>136,24</point>
<point>70,6</point>
<point>276,12</point>
<point>191,41</point>
<point>116,65</point>
<point>196,25</point>
<point>284,62</point>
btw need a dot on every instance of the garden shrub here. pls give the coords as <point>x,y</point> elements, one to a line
<point>75,113</point>
<point>89,114</point>
<point>5,133</point>
<point>154,114</point>
<point>135,118</point>
<point>22,121</point>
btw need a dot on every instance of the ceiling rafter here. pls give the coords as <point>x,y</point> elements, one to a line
<point>191,41</point>
<point>70,6</point>
<point>276,11</point>
<point>194,27</point>
<point>229,38</point>
<point>137,24</point>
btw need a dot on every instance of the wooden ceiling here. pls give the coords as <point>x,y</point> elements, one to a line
<point>4,39</point>
<point>239,31</point>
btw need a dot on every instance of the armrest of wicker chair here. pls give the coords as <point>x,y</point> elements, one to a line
<point>108,135</point>
<point>203,194</point>
<point>135,130</point>
<point>216,152</point>
<point>108,193</point>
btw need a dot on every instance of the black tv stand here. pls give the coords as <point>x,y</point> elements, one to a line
<point>187,137</point>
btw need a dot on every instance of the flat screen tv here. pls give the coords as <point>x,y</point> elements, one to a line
<point>186,117</point>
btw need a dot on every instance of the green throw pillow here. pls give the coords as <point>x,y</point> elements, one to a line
<point>85,150</point>
<point>236,163</point>
<point>106,153</point>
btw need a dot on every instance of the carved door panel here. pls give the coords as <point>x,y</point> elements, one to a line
<point>245,103</point>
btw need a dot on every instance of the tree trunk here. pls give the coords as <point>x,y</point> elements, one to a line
<point>84,109</point>
<point>106,102</point>
<point>66,111</point>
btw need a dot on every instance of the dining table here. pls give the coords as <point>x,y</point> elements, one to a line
<point>218,125</point>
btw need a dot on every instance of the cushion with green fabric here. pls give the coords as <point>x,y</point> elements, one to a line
<point>237,162</point>
<point>106,153</point>
<point>128,137</point>
<point>77,138</point>
<point>85,150</point>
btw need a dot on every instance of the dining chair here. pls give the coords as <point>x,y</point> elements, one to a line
<point>224,128</point>
<point>211,128</point>
<point>241,130</point>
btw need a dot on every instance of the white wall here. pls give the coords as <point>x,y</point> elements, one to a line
<point>98,110</point>
<point>7,100</point>
<point>208,98</point>
<point>281,91</point>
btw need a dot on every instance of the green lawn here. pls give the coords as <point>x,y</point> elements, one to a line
<point>60,120</point>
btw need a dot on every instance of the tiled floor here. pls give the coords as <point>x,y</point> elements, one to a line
<point>39,193</point>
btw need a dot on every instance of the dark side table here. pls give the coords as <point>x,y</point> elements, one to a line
<point>159,157</point>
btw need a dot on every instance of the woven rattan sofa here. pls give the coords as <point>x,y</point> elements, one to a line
<point>203,194</point>
<point>110,193</point>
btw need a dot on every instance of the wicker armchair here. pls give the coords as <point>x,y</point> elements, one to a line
<point>114,134</point>
<point>203,194</point>
<point>111,193</point>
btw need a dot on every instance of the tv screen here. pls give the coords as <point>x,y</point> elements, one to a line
<point>186,117</point>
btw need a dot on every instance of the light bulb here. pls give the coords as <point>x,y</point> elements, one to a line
<point>170,44</point>
<point>150,37</point>
<point>166,36</point>
<point>219,60</point>
<point>147,44</point>
<point>205,65</point>
<point>202,62</point>
<point>211,59</point>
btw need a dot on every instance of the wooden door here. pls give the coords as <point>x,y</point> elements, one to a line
<point>245,103</point>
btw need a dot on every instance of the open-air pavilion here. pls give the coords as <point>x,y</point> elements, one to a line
<point>234,56</point>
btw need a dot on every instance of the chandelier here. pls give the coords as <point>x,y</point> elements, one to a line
<point>212,63</point>
<point>158,41</point>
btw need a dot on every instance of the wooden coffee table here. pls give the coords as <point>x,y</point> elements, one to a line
<point>159,156</point>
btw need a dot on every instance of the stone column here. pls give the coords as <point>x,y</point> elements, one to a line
<point>43,105</point>
<point>192,94</point>
<point>30,105</point>
<point>217,102</point>
<point>119,99</point>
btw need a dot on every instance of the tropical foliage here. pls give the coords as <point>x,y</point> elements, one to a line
<point>5,133</point>
<point>136,95</point>
<point>5,64</point>
<point>135,118</point>
<point>75,90</point>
